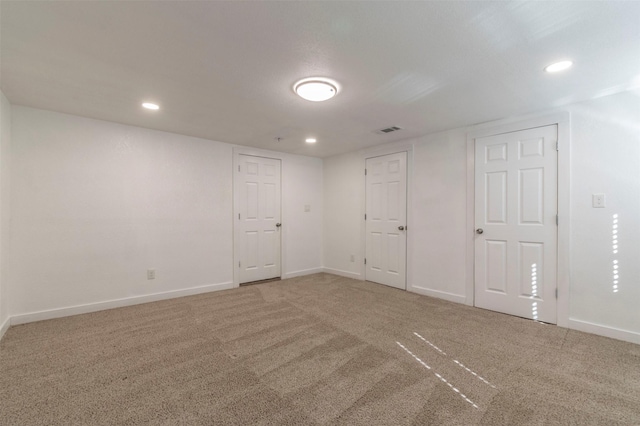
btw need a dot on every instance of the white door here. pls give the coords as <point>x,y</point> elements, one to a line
<point>258,218</point>
<point>386,219</point>
<point>516,223</point>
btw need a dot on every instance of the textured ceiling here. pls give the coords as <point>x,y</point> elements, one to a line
<point>225,70</point>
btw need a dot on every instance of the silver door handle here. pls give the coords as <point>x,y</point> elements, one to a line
<point>479,231</point>
<point>278,225</point>
<point>401,228</point>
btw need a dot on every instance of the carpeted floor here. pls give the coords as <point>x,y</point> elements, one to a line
<point>319,349</point>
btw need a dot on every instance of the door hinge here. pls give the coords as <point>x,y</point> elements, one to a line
<point>238,167</point>
<point>238,263</point>
<point>365,172</point>
<point>238,216</point>
<point>365,216</point>
<point>557,146</point>
<point>557,220</point>
<point>365,260</point>
<point>556,293</point>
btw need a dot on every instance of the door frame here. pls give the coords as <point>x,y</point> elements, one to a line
<point>563,274</point>
<point>393,148</point>
<point>237,152</point>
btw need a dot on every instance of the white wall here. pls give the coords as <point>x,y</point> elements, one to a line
<point>436,251</point>
<point>437,255</point>
<point>5,168</point>
<point>605,158</point>
<point>95,204</point>
<point>343,220</point>
<point>302,179</point>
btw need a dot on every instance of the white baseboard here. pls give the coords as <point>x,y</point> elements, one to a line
<point>302,273</point>
<point>614,333</point>
<point>4,327</point>
<point>354,275</point>
<point>118,303</point>
<point>438,294</point>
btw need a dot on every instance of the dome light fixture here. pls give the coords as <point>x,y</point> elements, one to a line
<point>149,105</point>
<point>316,89</point>
<point>558,66</point>
<point>310,140</point>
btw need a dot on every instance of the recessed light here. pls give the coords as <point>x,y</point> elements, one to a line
<point>558,66</point>
<point>149,105</point>
<point>316,89</point>
<point>310,140</point>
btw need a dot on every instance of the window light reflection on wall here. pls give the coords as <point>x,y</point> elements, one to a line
<point>614,246</point>
<point>534,291</point>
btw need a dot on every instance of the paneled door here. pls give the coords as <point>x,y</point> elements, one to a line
<point>516,223</point>
<point>258,218</point>
<point>386,219</point>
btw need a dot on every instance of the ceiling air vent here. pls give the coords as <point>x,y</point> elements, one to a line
<point>387,130</point>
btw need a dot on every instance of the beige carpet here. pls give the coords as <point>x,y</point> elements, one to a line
<point>313,350</point>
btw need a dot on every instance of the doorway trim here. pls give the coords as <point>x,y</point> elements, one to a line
<point>563,121</point>
<point>237,152</point>
<point>393,148</point>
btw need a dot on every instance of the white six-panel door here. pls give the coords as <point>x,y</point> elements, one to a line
<point>516,223</point>
<point>386,215</point>
<point>258,218</point>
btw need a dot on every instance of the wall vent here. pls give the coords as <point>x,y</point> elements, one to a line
<point>387,130</point>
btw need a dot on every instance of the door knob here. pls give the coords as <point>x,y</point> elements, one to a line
<point>479,231</point>
<point>278,225</point>
<point>401,228</point>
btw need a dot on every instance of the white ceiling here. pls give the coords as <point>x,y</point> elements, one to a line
<point>225,70</point>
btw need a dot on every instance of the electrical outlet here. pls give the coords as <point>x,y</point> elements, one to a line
<point>151,274</point>
<point>307,208</point>
<point>598,200</point>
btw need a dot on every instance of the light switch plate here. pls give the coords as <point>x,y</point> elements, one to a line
<point>598,201</point>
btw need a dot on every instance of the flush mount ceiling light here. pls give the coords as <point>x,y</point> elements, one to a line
<point>149,105</point>
<point>558,66</point>
<point>316,89</point>
<point>310,140</point>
